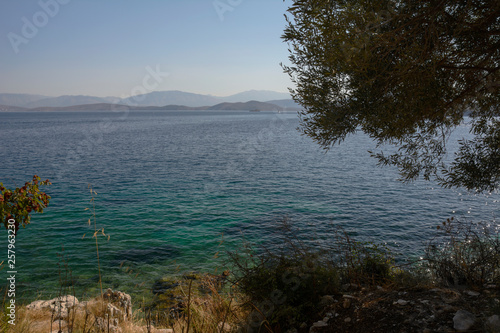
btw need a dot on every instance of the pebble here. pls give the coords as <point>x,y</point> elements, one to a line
<point>400,302</point>
<point>347,320</point>
<point>326,300</point>
<point>318,325</point>
<point>472,293</point>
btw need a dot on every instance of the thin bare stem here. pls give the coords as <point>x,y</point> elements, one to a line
<point>92,200</point>
<point>188,306</point>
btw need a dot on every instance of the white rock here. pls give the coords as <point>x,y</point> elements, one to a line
<point>59,306</point>
<point>115,312</point>
<point>463,320</point>
<point>327,300</point>
<point>223,327</point>
<point>320,324</point>
<point>400,302</point>
<point>317,326</point>
<point>121,300</point>
<point>472,293</point>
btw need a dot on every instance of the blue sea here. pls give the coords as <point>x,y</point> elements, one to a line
<point>177,189</point>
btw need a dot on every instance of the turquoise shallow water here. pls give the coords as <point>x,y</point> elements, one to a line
<point>175,188</point>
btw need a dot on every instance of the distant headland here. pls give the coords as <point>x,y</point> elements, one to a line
<point>253,100</point>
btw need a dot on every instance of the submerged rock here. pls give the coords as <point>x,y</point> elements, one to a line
<point>147,255</point>
<point>161,286</point>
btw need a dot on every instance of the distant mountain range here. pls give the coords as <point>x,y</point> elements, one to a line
<point>172,97</point>
<point>156,98</point>
<point>253,100</point>
<point>247,106</point>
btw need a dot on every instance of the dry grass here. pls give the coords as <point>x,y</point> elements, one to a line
<point>207,306</point>
<point>211,311</point>
<point>215,311</point>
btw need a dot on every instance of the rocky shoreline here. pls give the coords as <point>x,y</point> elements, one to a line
<point>107,313</point>
<point>357,309</point>
<point>423,310</point>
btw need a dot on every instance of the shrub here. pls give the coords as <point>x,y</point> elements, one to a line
<point>18,204</point>
<point>467,254</point>
<point>284,285</point>
<point>362,262</point>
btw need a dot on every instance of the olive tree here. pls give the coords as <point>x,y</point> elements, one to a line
<point>406,73</point>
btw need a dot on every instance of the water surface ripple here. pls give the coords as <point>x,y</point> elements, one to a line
<point>172,185</point>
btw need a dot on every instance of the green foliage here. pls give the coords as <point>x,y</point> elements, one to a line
<point>468,254</point>
<point>285,289</point>
<point>285,284</point>
<point>479,160</point>
<point>18,204</point>
<point>362,262</point>
<point>405,73</point>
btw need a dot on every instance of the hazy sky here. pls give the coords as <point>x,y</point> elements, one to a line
<point>125,47</point>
